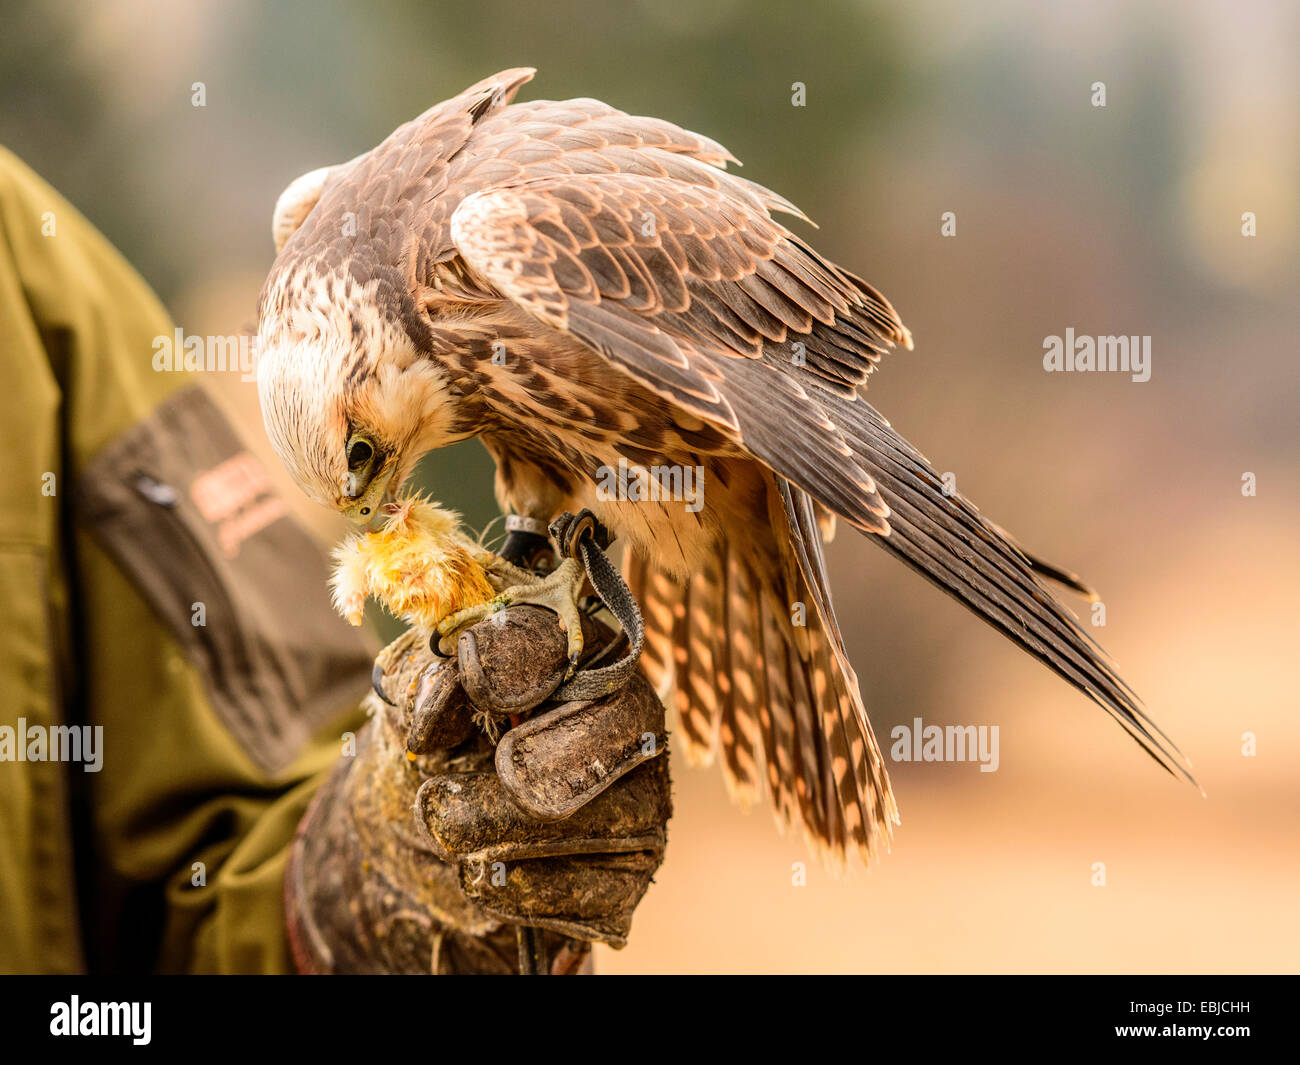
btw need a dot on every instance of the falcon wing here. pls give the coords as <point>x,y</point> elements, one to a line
<point>678,275</point>
<point>698,294</point>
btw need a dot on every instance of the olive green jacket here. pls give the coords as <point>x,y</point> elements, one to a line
<point>164,629</point>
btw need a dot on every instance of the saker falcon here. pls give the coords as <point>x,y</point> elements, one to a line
<point>574,286</point>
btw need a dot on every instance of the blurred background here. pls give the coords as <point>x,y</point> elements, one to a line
<point>1123,219</point>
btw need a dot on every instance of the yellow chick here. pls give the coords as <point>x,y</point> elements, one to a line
<point>419,565</point>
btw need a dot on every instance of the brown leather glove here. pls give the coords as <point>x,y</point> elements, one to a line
<point>566,829</point>
<point>528,811</point>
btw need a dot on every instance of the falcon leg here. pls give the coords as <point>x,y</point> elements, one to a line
<point>528,550</point>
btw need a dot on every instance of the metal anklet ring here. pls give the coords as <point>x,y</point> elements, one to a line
<point>523,523</point>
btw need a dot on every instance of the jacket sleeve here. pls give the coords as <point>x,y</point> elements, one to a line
<point>171,622</point>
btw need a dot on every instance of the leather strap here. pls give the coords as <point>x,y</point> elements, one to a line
<point>583,537</point>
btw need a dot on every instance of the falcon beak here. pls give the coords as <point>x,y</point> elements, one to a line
<point>370,500</point>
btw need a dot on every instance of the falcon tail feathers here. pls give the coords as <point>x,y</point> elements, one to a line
<point>944,537</point>
<point>759,678</point>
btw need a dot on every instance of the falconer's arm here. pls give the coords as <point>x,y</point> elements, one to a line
<point>161,619</point>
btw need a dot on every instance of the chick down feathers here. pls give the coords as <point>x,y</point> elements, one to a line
<point>419,565</point>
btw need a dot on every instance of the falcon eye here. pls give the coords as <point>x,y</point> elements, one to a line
<point>365,511</point>
<point>359,453</point>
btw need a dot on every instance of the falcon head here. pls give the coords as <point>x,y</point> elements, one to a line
<point>350,398</point>
<point>348,401</point>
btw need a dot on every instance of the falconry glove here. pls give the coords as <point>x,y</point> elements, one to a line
<point>530,809</point>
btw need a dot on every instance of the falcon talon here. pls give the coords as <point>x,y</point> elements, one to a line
<point>377,682</point>
<point>387,661</point>
<point>558,591</point>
